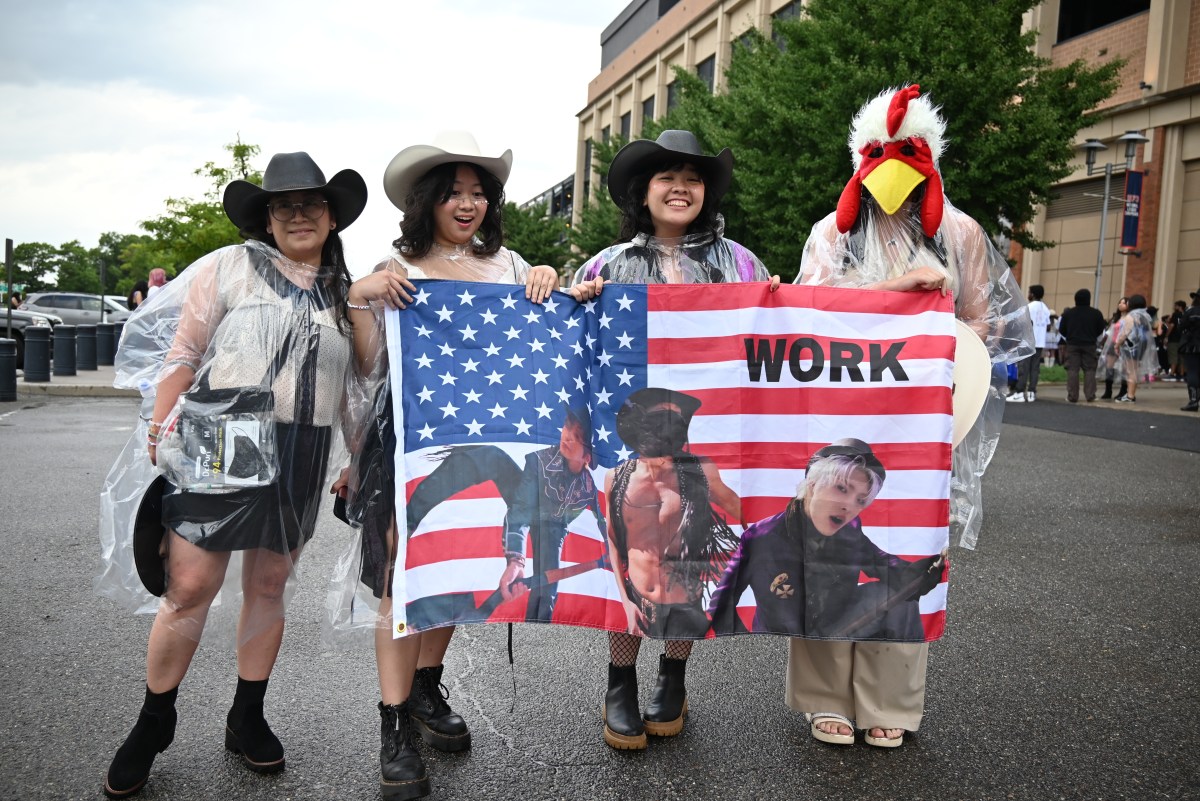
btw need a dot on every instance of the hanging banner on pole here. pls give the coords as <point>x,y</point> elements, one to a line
<point>1133,209</point>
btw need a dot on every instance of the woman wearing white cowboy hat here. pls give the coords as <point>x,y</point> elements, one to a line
<point>669,193</point>
<point>452,196</point>
<point>268,315</point>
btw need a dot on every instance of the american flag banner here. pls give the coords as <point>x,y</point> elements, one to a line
<point>645,461</point>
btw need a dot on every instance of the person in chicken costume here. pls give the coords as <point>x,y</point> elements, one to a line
<point>895,229</point>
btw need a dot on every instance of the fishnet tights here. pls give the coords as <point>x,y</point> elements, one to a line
<point>623,648</point>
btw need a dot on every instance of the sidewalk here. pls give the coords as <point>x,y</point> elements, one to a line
<point>85,383</point>
<point>1161,397</point>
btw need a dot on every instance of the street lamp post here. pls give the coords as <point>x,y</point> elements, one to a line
<point>1131,139</point>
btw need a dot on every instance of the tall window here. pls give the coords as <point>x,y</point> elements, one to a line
<point>648,109</point>
<point>707,71</point>
<point>605,133</point>
<point>587,169</point>
<point>672,95</point>
<point>790,11</point>
<point>626,125</point>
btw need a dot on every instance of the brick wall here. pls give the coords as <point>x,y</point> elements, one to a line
<point>1125,39</point>
<point>1192,71</point>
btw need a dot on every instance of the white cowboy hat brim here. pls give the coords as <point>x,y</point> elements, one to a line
<point>410,164</point>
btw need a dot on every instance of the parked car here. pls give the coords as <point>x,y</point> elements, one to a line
<point>77,308</point>
<point>22,319</point>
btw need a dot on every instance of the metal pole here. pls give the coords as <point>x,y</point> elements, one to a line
<point>1103,222</point>
<point>8,263</point>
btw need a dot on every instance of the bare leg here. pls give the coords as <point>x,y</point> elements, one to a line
<point>260,625</point>
<point>195,578</point>
<point>395,659</point>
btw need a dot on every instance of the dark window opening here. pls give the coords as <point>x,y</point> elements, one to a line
<point>626,125</point>
<point>672,95</point>
<point>1077,17</point>
<point>707,71</point>
<point>648,110</point>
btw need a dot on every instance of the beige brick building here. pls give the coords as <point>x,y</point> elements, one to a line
<point>1159,96</point>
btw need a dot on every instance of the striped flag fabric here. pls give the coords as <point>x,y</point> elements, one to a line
<point>477,369</point>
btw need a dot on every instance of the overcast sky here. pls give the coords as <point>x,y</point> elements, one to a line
<point>109,105</point>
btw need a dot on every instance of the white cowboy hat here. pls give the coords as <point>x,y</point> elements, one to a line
<point>411,163</point>
<point>972,378</point>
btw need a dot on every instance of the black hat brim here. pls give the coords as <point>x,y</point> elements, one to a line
<point>629,416</point>
<point>642,154</point>
<point>246,203</point>
<point>148,531</point>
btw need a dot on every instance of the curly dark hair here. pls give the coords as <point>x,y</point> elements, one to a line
<point>1136,302</point>
<point>635,215</point>
<point>434,187</point>
<point>334,274</point>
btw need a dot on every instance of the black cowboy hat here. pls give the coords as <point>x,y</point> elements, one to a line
<point>148,532</point>
<point>246,204</point>
<point>671,147</point>
<point>633,410</point>
<point>855,448</point>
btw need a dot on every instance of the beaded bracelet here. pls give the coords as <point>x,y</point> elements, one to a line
<point>350,305</point>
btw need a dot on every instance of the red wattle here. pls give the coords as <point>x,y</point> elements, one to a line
<point>848,204</point>
<point>932,205</point>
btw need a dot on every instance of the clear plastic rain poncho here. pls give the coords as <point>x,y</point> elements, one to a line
<point>253,340</point>
<point>698,258</point>
<point>363,571</point>
<point>1128,348</point>
<point>986,297</point>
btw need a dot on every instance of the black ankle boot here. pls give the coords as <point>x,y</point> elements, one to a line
<point>623,727</point>
<point>1121,392</point>
<point>401,769</point>
<point>247,732</point>
<point>153,732</point>
<point>668,702</point>
<point>1108,382</point>
<point>438,724</point>
<point>1193,404</point>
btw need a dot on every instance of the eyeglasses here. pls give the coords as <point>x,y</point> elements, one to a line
<point>312,209</point>
<point>456,198</point>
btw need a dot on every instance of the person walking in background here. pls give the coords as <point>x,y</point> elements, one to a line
<point>1174,332</point>
<point>1189,351</point>
<point>1081,327</point>
<point>137,295</point>
<point>1027,369</point>
<point>14,300</point>
<point>1108,351</point>
<point>158,279</point>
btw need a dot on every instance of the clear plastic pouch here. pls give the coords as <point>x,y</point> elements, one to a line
<point>220,440</point>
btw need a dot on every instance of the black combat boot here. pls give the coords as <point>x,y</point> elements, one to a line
<point>153,732</point>
<point>1108,382</point>
<point>1193,404</point>
<point>247,733</point>
<point>668,701</point>
<point>623,727</point>
<point>438,724</point>
<point>1121,392</point>
<point>402,771</point>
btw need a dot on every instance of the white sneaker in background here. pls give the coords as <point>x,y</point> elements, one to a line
<point>1016,397</point>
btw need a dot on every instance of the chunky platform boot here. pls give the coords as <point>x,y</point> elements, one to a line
<point>1108,382</point>
<point>623,727</point>
<point>247,733</point>
<point>401,769</point>
<point>438,724</point>
<point>668,701</point>
<point>153,732</point>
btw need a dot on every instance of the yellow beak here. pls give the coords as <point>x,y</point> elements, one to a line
<point>891,183</point>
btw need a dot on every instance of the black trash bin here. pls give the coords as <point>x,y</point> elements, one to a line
<point>37,354</point>
<point>8,369</point>
<point>85,347</point>
<point>105,344</point>
<point>64,349</point>
<point>118,329</point>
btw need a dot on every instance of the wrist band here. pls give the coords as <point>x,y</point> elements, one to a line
<point>350,305</point>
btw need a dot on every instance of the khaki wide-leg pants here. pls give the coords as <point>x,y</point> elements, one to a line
<point>872,683</point>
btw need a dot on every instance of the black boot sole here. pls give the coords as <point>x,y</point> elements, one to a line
<point>666,728</point>
<point>137,788</point>
<point>413,788</point>
<point>449,743</point>
<point>231,744</point>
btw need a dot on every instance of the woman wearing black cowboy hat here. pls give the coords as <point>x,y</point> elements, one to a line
<point>265,318</point>
<point>669,193</point>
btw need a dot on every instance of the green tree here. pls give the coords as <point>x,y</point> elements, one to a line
<point>77,268</point>
<point>35,264</point>
<point>538,238</point>
<point>789,102</point>
<point>599,218</point>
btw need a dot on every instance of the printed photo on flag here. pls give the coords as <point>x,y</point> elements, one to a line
<point>677,461</point>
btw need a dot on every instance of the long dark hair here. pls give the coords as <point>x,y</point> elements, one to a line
<point>333,275</point>
<point>434,188</point>
<point>635,214</point>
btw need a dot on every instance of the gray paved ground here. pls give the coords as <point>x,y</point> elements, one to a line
<point>1069,668</point>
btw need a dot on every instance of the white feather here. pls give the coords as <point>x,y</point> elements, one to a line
<point>923,119</point>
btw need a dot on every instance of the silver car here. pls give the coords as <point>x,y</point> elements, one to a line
<point>78,308</point>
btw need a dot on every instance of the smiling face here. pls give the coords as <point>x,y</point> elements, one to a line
<point>831,505</point>
<point>456,219</point>
<point>674,199</point>
<point>299,238</point>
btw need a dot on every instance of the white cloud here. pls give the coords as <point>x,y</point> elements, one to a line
<point>111,106</point>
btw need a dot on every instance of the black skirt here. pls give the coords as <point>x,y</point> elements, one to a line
<point>279,517</point>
